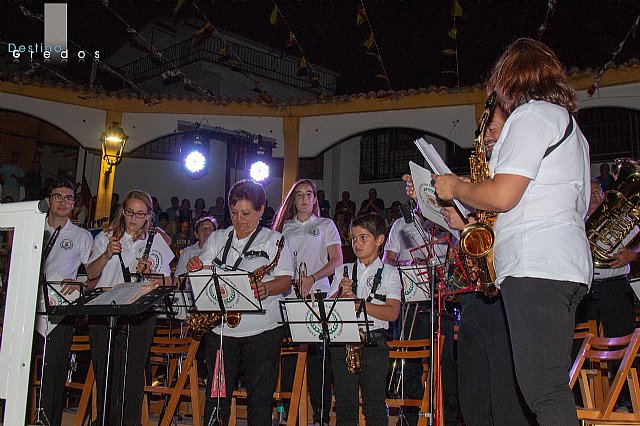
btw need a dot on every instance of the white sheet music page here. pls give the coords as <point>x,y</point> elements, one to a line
<point>438,166</point>
<point>427,200</point>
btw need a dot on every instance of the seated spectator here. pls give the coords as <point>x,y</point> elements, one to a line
<point>200,211</point>
<point>156,210</point>
<point>268,215</point>
<point>79,212</point>
<point>203,228</point>
<point>373,204</point>
<point>165,223</point>
<point>324,205</point>
<point>605,179</point>
<point>185,210</point>
<point>346,206</point>
<point>182,239</point>
<point>217,212</point>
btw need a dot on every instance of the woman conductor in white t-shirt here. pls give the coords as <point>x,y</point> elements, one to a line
<point>315,243</point>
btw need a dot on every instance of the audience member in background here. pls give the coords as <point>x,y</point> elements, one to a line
<point>182,238</point>
<point>267,216</point>
<point>324,204</point>
<point>395,210</point>
<point>33,182</point>
<point>199,211</point>
<point>185,210</point>
<point>347,207</point>
<point>605,179</point>
<point>373,204</point>
<point>203,228</point>
<point>217,211</point>
<point>174,214</point>
<point>13,177</point>
<point>79,213</point>
<point>156,210</point>
<point>165,223</point>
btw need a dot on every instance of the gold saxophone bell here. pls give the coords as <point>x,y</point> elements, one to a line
<point>354,358</point>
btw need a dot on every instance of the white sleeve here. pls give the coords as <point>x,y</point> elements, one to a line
<point>210,247</point>
<point>85,247</point>
<point>391,280</point>
<point>285,263</point>
<point>332,236</point>
<point>181,268</point>
<point>99,246</point>
<point>393,242</point>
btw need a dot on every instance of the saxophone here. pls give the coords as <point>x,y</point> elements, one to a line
<point>202,323</point>
<point>476,240</point>
<point>353,352</point>
<point>618,214</point>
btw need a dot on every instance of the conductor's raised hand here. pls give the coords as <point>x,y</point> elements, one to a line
<point>445,185</point>
<point>194,264</point>
<point>409,188</point>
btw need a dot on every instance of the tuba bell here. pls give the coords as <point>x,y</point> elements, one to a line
<point>617,216</point>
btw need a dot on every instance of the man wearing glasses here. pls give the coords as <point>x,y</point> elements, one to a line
<point>71,248</point>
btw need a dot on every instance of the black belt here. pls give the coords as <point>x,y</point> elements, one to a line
<point>378,333</point>
<point>610,279</point>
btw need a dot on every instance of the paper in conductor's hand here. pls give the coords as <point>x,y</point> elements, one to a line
<point>438,166</point>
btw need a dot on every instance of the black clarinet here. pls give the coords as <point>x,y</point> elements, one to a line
<point>147,249</point>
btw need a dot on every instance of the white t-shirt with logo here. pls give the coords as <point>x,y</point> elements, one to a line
<point>389,286</point>
<point>71,249</point>
<point>405,236</point>
<point>160,256</point>
<point>308,242</point>
<point>266,241</point>
<point>543,236</point>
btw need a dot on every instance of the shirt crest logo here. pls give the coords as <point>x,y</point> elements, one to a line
<point>66,244</point>
<point>370,281</point>
<point>314,231</point>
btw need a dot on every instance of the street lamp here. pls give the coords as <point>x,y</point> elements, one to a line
<point>113,140</point>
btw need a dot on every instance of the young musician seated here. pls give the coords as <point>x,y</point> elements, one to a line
<point>379,285</point>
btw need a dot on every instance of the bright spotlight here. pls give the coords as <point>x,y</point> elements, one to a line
<point>259,171</point>
<point>195,162</point>
<point>194,155</point>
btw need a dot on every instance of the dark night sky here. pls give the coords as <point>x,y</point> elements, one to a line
<point>410,34</point>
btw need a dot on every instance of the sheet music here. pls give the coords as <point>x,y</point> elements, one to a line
<point>46,323</point>
<point>415,283</point>
<point>123,294</point>
<point>427,200</point>
<point>438,166</point>
<point>309,329</point>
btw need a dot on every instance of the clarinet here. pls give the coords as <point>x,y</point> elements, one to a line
<point>147,249</point>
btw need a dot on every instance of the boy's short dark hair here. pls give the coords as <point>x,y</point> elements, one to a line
<point>372,222</point>
<point>61,183</point>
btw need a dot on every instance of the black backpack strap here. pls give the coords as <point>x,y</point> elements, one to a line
<point>566,135</point>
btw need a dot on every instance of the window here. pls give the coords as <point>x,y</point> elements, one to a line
<point>612,132</point>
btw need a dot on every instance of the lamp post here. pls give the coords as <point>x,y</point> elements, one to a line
<point>112,141</point>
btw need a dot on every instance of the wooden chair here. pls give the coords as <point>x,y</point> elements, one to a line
<point>297,396</point>
<point>88,387</point>
<point>416,349</point>
<point>179,354</point>
<point>599,351</point>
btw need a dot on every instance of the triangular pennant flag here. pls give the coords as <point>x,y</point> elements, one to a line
<point>26,12</point>
<point>302,67</point>
<point>292,39</point>
<point>456,9</point>
<point>274,15</point>
<point>225,53</point>
<point>453,33</point>
<point>314,80</point>
<point>369,42</point>
<point>591,90</point>
<point>204,30</point>
<point>449,52</point>
<point>361,18</point>
<point>382,77</point>
<point>179,4</point>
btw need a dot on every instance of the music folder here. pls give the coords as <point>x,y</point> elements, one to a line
<point>304,322</point>
<point>235,290</point>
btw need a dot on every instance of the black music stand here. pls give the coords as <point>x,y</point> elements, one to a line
<point>324,319</point>
<point>222,300</point>
<point>84,306</point>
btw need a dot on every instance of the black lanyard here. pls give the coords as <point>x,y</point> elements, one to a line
<point>227,247</point>
<point>376,283</point>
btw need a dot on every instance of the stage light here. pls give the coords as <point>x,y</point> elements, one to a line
<point>194,154</point>
<point>259,171</point>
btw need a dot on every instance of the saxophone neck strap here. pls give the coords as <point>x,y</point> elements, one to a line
<point>376,283</point>
<point>566,135</point>
<point>227,247</point>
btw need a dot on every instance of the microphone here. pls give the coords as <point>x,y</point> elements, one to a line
<point>406,213</point>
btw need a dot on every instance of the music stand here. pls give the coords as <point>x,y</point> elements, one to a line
<point>312,321</point>
<point>222,292</point>
<point>98,302</point>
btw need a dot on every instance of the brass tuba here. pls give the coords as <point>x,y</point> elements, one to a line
<point>618,214</point>
<point>476,239</point>
<point>200,323</point>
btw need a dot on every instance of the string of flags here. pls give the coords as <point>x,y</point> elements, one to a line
<point>370,44</point>
<point>551,8</point>
<point>596,81</point>
<point>304,68</point>
<point>456,12</point>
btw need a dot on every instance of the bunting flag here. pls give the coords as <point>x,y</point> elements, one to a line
<point>171,76</point>
<point>274,15</point>
<point>264,95</point>
<point>292,39</point>
<point>361,18</point>
<point>225,53</point>
<point>26,12</point>
<point>449,52</point>
<point>456,9</point>
<point>369,42</point>
<point>551,8</point>
<point>382,77</point>
<point>179,4</point>
<point>302,67</point>
<point>204,30</point>
<point>453,33</point>
<point>314,80</point>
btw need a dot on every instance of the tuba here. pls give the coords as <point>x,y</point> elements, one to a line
<point>618,214</point>
<point>476,239</point>
<point>200,323</point>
